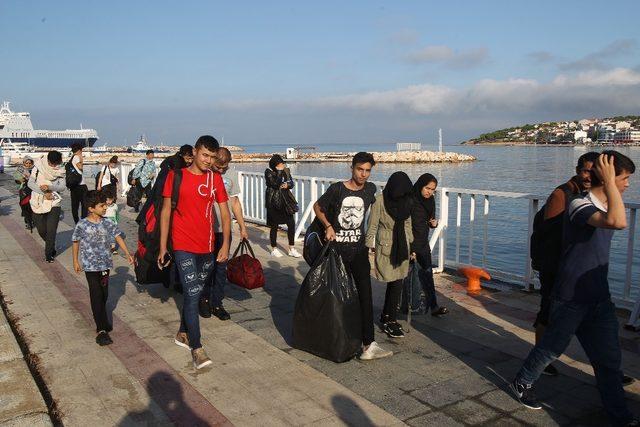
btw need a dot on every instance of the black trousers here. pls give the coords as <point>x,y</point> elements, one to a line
<point>98,294</point>
<point>47,225</point>
<point>360,269</point>
<point>27,214</point>
<point>291,231</point>
<point>78,201</point>
<point>392,301</point>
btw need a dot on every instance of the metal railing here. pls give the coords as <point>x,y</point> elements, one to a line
<point>490,229</point>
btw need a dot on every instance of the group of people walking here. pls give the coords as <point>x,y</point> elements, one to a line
<point>197,200</point>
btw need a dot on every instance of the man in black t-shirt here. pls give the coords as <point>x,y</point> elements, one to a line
<point>342,210</point>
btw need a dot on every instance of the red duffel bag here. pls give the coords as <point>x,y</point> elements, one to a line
<point>245,270</point>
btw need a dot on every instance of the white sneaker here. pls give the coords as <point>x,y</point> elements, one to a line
<point>294,253</point>
<point>374,351</point>
<point>276,253</point>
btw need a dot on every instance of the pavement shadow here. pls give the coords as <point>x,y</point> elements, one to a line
<point>350,412</point>
<point>167,393</point>
<point>499,367</point>
<point>117,286</point>
<point>63,240</point>
<point>283,289</point>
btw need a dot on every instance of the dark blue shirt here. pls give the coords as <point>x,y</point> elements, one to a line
<point>584,266</point>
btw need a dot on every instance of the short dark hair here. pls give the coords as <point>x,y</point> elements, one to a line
<point>149,152</point>
<point>109,192</point>
<point>54,157</point>
<point>208,142</point>
<point>591,156</point>
<point>113,159</point>
<point>94,197</point>
<point>621,164</point>
<point>223,154</point>
<point>76,146</point>
<point>185,150</point>
<point>363,157</point>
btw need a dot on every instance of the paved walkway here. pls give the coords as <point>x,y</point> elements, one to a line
<point>447,371</point>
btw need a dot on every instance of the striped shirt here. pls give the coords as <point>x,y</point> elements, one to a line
<point>584,265</point>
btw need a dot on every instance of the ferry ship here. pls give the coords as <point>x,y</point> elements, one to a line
<point>17,127</point>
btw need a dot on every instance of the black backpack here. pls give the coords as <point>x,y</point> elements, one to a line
<point>314,239</point>
<point>73,178</point>
<point>130,176</point>
<point>546,240</point>
<point>146,265</point>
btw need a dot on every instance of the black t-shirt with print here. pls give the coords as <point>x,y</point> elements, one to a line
<point>346,210</point>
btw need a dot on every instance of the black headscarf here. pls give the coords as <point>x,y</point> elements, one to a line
<point>398,202</point>
<point>276,159</point>
<point>429,204</point>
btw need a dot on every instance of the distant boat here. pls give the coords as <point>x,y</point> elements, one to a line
<point>18,128</point>
<point>142,147</point>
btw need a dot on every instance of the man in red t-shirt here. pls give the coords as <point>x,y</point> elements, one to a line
<point>192,237</point>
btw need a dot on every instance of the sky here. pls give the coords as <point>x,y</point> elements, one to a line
<point>285,72</point>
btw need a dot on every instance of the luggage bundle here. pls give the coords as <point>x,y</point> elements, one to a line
<point>327,320</point>
<point>245,270</point>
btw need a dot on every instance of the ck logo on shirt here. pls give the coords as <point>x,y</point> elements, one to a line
<point>206,189</point>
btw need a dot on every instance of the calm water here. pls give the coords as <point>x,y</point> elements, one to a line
<point>536,170</point>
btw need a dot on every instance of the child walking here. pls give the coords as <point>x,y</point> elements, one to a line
<point>92,240</point>
<point>112,212</point>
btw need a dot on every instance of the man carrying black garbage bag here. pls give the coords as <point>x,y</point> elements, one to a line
<point>342,210</point>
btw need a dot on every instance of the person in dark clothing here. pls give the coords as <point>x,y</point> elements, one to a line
<point>423,218</point>
<point>390,234</point>
<point>79,192</point>
<point>278,180</point>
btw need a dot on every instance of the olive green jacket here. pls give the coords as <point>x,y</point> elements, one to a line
<point>380,237</point>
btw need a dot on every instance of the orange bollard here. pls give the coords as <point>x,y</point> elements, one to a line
<point>473,275</point>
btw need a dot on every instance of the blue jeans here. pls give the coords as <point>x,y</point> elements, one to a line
<point>214,288</point>
<point>194,271</point>
<point>596,327</point>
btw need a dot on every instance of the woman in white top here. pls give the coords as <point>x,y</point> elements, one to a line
<point>108,174</point>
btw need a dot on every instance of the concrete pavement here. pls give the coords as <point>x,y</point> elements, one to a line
<point>450,371</point>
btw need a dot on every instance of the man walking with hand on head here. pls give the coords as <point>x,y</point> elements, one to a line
<point>190,225</point>
<point>581,303</point>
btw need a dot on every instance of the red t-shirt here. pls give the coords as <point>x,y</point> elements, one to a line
<point>192,226</point>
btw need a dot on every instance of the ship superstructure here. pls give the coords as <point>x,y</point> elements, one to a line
<point>18,128</point>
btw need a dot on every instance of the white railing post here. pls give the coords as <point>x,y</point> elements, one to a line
<point>630,241</point>
<point>458,225</point>
<point>444,222</point>
<point>533,209</point>
<point>485,237</point>
<point>472,219</point>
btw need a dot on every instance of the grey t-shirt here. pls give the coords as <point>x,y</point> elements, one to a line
<point>230,180</point>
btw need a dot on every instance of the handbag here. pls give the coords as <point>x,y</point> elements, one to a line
<point>289,201</point>
<point>244,269</point>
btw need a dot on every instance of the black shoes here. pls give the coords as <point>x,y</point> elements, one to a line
<point>50,259</point>
<point>103,338</point>
<point>627,380</point>
<point>551,371</point>
<point>439,311</point>
<point>204,308</point>
<point>220,313</point>
<point>525,394</point>
<point>393,329</point>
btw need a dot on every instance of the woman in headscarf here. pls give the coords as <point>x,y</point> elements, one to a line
<point>21,177</point>
<point>279,211</point>
<point>46,182</point>
<point>391,235</point>
<point>423,218</point>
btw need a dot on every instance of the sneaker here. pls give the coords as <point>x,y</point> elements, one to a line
<point>294,253</point>
<point>50,259</point>
<point>550,370</point>
<point>525,394</point>
<point>276,253</point>
<point>374,351</point>
<point>220,313</point>
<point>103,338</point>
<point>182,339</point>
<point>204,308</point>
<point>393,329</point>
<point>627,380</point>
<point>200,358</point>
<point>439,311</point>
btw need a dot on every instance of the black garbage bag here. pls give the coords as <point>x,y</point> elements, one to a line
<point>327,320</point>
<point>134,195</point>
